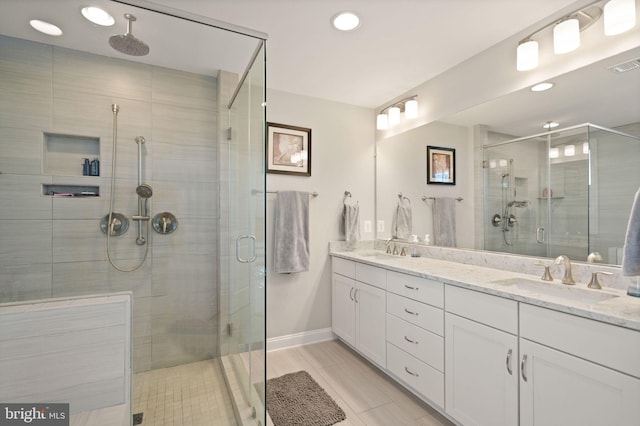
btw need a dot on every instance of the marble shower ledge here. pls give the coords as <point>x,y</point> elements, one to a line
<point>622,311</point>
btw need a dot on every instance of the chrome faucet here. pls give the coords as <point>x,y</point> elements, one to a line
<point>567,277</point>
<point>594,257</point>
<point>387,244</point>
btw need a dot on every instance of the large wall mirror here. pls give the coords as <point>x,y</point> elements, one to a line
<point>565,191</point>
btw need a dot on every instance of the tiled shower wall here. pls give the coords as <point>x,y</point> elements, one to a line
<point>53,247</point>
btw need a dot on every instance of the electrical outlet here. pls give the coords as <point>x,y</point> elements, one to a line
<point>381,226</point>
<point>367,226</point>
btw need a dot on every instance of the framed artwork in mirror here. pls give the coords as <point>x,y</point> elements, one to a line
<point>441,165</point>
<point>288,149</point>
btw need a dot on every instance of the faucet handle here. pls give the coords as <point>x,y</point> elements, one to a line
<point>594,283</point>
<point>547,273</point>
<point>403,252</point>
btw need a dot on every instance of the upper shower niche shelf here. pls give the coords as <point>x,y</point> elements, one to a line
<point>64,155</point>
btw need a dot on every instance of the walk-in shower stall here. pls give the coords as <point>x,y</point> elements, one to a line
<point>140,169</point>
<point>561,192</point>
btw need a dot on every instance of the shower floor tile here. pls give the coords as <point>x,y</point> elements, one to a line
<point>186,395</point>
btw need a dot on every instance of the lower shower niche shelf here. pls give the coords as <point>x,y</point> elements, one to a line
<point>71,191</point>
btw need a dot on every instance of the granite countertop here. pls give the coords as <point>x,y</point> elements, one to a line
<point>620,309</point>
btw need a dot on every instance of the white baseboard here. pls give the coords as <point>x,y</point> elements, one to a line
<point>298,339</point>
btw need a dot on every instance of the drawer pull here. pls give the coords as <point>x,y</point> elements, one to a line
<point>508,361</point>
<point>355,296</point>
<point>351,294</point>
<point>523,366</point>
<point>411,288</point>
<point>411,372</point>
<point>410,312</point>
<point>410,341</point>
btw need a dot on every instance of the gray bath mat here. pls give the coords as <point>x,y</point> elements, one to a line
<point>295,399</point>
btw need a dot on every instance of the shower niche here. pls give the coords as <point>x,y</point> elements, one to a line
<point>64,155</point>
<point>71,155</point>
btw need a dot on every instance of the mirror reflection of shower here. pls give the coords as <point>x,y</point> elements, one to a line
<point>144,193</point>
<point>507,219</point>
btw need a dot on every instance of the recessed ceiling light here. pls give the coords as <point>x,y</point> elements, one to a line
<point>45,27</point>
<point>550,125</point>
<point>345,21</point>
<point>98,16</point>
<point>541,87</point>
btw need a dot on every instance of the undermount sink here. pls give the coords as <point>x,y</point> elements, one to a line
<point>557,290</point>
<point>376,254</point>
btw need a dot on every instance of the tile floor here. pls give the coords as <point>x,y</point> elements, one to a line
<point>187,395</point>
<point>195,394</point>
<point>367,396</point>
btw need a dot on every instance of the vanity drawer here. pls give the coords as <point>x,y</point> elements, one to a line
<point>425,316</point>
<point>424,379</point>
<point>422,344</point>
<point>420,289</point>
<point>605,344</point>
<point>371,275</point>
<point>484,308</point>
<point>343,267</point>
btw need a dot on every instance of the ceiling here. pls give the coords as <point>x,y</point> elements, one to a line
<point>399,45</point>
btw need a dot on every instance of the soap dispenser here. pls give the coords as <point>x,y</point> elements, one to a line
<point>415,252</point>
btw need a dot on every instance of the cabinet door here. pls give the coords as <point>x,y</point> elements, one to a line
<point>343,316</point>
<point>561,389</point>
<point>481,373</point>
<point>370,323</point>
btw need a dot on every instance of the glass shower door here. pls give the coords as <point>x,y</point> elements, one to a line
<point>246,239</point>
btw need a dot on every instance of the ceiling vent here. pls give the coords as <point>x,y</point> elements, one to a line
<point>626,66</point>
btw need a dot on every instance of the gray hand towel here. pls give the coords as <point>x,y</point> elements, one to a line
<point>401,223</point>
<point>631,256</point>
<point>291,232</point>
<point>350,223</point>
<point>444,221</point>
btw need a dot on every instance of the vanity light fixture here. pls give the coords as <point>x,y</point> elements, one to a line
<point>619,16</point>
<point>566,36</point>
<point>345,21</point>
<point>45,27</point>
<point>392,114</point>
<point>541,87</point>
<point>569,150</point>
<point>585,147</point>
<point>554,152</point>
<point>98,16</point>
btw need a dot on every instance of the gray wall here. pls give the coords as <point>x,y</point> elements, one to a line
<point>53,247</point>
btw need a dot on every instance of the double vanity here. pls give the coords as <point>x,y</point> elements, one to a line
<point>488,346</point>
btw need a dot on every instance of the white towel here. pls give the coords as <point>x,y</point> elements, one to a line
<point>631,256</point>
<point>350,223</point>
<point>444,221</point>
<point>401,222</point>
<point>291,232</point>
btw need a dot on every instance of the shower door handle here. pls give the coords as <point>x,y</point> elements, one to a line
<point>540,235</point>
<point>253,248</point>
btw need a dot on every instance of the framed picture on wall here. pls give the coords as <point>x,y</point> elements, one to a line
<point>288,149</point>
<point>441,165</point>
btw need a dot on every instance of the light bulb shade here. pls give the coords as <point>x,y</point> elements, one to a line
<point>394,116</point>
<point>569,150</point>
<point>411,109</point>
<point>566,36</point>
<point>619,16</point>
<point>382,122</point>
<point>554,152</point>
<point>585,147</point>
<point>527,55</point>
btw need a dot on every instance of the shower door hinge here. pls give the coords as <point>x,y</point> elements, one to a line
<point>229,329</point>
<point>485,164</point>
<point>229,134</point>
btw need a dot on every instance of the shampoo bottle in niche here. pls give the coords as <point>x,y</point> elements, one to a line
<point>415,252</point>
<point>86,167</point>
<point>95,167</point>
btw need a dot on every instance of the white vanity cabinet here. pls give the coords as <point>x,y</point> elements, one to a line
<point>577,372</point>
<point>358,307</point>
<point>481,358</point>
<point>415,330</point>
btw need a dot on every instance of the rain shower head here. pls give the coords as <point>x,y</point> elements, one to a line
<point>144,191</point>
<point>127,43</point>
